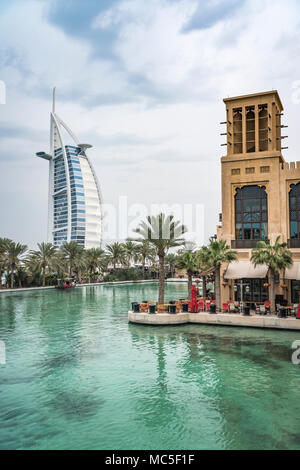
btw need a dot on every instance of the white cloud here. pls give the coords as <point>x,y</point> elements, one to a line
<point>170,149</point>
<point>151,41</point>
<point>39,55</point>
<point>244,50</point>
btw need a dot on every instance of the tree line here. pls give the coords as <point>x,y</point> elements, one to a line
<point>155,237</point>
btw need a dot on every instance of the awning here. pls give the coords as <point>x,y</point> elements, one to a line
<point>293,272</point>
<point>245,270</point>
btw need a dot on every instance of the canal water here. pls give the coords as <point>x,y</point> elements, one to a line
<point>78,376</point>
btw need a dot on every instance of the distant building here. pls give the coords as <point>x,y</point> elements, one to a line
<point>74,208</point>
<point>260,196</point>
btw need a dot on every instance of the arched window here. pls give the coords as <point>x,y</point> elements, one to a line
<point>251,213</point>
<point>294,198</point>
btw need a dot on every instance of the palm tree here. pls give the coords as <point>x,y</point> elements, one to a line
<point>130,251</point>
<point>93,258</point>
<point>116,253</point>
<point>13,252</point>
<point>60,264</point>
<point>189,262</point>
<point>20,274</point>
<point>162,232</point>
<point>277,257</point>
<point>33,268</point>
<point>103,263</point>
<point>145,252</point>
<point>4,242</point>
<point>72,250</point>
<point>171,260</point>
<point>44,256</point>
<point>217,253</point>
<point>203,264</point>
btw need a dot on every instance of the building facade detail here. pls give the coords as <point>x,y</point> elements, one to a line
<point>259,189</point>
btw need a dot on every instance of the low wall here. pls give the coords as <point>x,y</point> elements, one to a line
<point>254,321</point>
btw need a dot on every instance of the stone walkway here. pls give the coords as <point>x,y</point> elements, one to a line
<point>225,319</point>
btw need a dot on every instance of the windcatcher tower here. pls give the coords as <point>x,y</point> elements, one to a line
<point>251,170</point>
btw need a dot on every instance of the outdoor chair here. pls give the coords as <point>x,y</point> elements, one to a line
<point>225,307</point>
<point>237,306</point>
<point>295,309</point>
<point>207,305</point>
<point>277,308</point>
<point>232,308</point>
<point>161,308</point>
<point>201,305</point>
<point>262,309</point>
<point>144,307</point>
<point>178,306</point>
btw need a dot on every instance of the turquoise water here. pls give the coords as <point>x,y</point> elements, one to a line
<point>78,376</point>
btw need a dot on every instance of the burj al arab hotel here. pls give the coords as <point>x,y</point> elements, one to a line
<point>74,207</point>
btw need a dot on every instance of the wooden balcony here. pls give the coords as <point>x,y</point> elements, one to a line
<point>244,244</point>
<point>294,243</point>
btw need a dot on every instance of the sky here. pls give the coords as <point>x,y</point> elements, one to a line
<point>143,82</point>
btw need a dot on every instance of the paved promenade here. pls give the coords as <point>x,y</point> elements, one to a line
<point>225,319</point>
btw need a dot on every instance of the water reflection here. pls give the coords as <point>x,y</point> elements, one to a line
<point>79,376</point>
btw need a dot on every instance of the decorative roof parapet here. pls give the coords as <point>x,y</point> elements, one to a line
<point>291,167</point>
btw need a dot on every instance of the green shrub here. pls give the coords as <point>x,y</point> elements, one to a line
<point>51,279</point>
<point>109,278</point>
<point>131,274</point>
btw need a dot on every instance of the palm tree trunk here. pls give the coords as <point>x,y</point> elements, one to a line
<point>190,283</point>
<point>143,267</point>
<point>70,271</point>
<point>218,287</point>
<point>161,292</point>
<point>12,279</point>
<point>272,292</point>
<point>203,286</point>
<point>44,277</point>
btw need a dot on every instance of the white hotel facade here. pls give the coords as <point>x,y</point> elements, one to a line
<point>74,204</point>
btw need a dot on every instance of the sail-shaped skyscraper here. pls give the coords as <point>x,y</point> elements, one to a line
<point>74,207</point>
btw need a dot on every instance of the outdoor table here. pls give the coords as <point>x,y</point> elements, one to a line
<point>289,308</point>
<point>282,312</point>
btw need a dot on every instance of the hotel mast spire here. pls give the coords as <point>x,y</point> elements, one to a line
<point>53,100</point>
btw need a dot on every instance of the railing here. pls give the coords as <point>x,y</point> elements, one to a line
<point>294,243</point>
<point>236,244</point>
